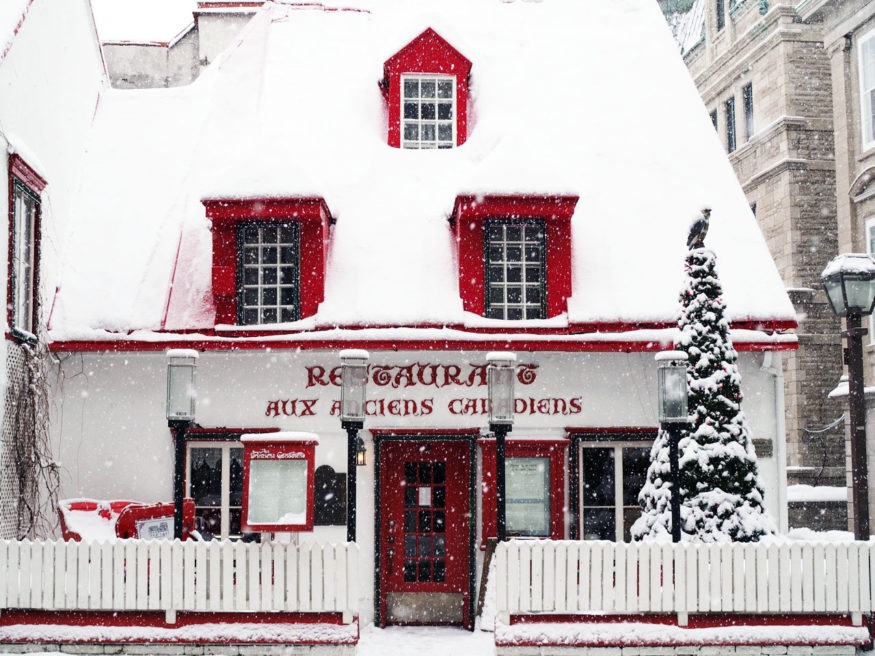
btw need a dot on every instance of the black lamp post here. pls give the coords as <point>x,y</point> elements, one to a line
<point>849,281</point>
<point>672,392</point>
<point>181,392</point>
<point>353,381</point>
<point>500,376</point>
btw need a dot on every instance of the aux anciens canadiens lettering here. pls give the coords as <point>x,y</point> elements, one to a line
<point>386,379</point>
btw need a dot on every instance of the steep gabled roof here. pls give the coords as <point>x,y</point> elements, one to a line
<point>560,106</point>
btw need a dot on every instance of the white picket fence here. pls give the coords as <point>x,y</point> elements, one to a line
<point>137,575</point>
<point>565,577</point>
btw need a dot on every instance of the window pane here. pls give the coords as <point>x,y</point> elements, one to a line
<point>445,111</point>
<point>411,88</point>
<point>428,132</point>
<point>599,524</point>
<point>445,89</point>
<point>411,110</point>
<point>598,477</point>
<point>428,112</point>
<point>427,88</point>
<point>635,463</point>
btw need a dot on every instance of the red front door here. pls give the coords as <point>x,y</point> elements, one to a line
<point>425,532</point>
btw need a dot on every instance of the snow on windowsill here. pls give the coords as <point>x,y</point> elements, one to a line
<point>815,493</point>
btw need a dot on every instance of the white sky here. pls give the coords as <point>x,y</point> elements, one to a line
<point>142,21</point>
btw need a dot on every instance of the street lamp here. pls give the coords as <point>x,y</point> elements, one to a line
<point>353,381</point>
<point>181,393</point>
<point>849,282</point>
<point>500,374</point>
<point>672,399</point>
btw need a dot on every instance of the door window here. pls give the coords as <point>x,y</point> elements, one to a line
<point>425,521</point>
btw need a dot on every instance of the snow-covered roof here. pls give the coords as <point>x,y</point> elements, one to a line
<point>559,106</point>
<point>12,13</point>
<point>690,28</point>
<point>142,21</point>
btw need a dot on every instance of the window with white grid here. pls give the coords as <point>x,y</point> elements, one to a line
<point>25,215</point>
<point>429,111</point>
<point>515,270</point>
<point>269,273</point>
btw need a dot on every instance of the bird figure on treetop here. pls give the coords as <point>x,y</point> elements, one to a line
<point>698,230</point>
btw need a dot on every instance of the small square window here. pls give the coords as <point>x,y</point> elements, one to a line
<point>428,98</point>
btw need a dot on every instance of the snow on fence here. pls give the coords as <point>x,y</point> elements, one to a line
<point>138,575</point>
<point>564,577</point>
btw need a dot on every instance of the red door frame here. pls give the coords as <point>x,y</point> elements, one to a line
<point>453,439</point>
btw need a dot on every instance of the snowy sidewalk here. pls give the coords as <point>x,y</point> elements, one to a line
<point>424,641</point>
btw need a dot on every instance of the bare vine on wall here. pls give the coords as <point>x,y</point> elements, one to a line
<point>37,472</point>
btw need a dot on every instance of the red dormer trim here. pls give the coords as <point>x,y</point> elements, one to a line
<point>427,53</point>
<point>313,217</point>
<point>470,212</point>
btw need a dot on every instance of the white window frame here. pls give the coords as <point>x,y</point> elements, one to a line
<point>417,144</point>
<point>619,508</point>
<point>866,63</point>
<point>225,507</point>
<point>25,216</point>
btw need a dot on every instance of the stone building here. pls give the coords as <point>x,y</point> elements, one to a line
<point>788,86</point>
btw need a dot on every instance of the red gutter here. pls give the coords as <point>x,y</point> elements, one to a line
<point>496,344</point>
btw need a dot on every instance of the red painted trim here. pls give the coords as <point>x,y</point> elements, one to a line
<point>313,218</point>
<point>695,622</point>
<point>15,30</point>
<point>650,431</point>
<point>141,619</point>
<point>495,344</point>
<point>428,53</point>
<point>278,449</point>
<point>27,174</point>
<point>172,283</point>
<point>422,432</point>
<point>469,213</point>
<point>199,430</point>
<point>555,450</point>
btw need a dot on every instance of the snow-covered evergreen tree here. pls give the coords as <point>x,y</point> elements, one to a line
<point>721,499</point>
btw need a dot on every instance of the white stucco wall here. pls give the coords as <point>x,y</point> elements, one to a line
<point>114,443</point>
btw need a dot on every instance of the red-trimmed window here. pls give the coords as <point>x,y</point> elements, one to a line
<point>268,259</point>
<point>25,187</point>
<point>535,488</point>
<point>426,89</point>
<point>514,254</point>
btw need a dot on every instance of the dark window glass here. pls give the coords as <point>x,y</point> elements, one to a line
<point>268,278</point>
<point>730,124</point>
<point>721,14</point>
<point>515,260</point>
<point>598,477</point>
<point>747,100</point>
<point>714,119</point>
<point>330,497</point>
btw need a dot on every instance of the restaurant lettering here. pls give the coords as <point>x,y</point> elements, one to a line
<point>382,377</point>
<point>419,375</point>
<point>424,407</point>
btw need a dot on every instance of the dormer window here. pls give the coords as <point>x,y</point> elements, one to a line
<point>429,111</point>
<point>269,259</point>
<point>426,89</point>
<point>514,255</point>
